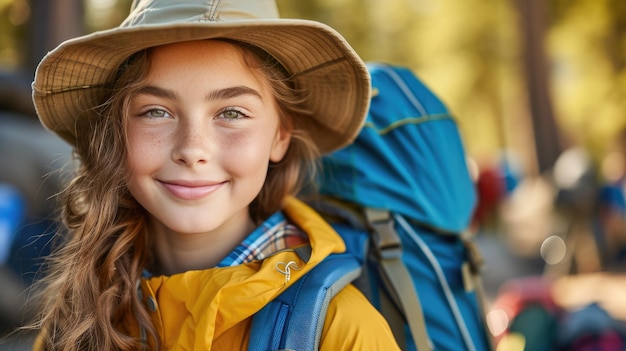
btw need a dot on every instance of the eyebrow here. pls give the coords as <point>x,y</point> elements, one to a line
<point>218,94</point>
<point>232,92</point>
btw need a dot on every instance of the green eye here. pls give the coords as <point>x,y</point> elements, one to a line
<point>231,114</point>
<point>156,113</point>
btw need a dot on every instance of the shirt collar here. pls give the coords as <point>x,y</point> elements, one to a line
<point>273,235</point>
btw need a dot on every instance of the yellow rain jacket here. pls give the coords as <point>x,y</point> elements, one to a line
<point>211,309</point>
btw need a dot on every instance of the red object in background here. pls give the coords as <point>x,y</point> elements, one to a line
<point>491,189</point>
<point>523,295</point>
<point>516,294</point>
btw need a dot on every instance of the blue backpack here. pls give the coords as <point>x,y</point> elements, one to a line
<point>401,198</point>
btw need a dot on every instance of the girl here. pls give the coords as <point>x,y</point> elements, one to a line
<point>195,123</point>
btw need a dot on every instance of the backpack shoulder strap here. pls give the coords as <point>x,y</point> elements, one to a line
<point>295,319</point>
<point>386,243</point>
<point>388,247</point>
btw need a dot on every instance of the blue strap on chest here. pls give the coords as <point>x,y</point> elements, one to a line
<point>295,319</point>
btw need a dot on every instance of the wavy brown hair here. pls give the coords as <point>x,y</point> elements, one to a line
<point>90,296</point>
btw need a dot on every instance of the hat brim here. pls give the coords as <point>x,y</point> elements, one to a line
<point>69,80</point>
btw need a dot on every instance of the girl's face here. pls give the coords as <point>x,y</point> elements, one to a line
<point>201,134</point>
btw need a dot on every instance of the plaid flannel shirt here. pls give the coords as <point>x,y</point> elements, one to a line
<point>275,234</point>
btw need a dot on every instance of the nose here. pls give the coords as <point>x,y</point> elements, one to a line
<point>192,145</point>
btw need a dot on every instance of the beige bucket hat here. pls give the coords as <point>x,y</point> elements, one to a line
<point>71,79</point>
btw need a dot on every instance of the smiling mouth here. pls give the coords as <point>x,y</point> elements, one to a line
<point>191,192</point>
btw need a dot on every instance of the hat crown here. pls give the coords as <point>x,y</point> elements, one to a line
<point>158,12</point>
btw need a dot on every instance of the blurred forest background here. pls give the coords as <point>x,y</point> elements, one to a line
<point>519,75</point>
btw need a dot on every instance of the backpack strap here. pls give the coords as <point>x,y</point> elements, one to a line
<point>294,320</point>
<point>471,271</point>
<point>389,248</point>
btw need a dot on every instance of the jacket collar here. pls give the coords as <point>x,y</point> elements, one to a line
<point>209,302</point>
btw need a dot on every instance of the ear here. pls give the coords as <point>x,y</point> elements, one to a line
<point>282,139</point>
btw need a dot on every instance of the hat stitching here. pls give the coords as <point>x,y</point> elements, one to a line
<point>213,5</point>
<point>295,75</point>
<point>315,68</point>
<point>66,90</point>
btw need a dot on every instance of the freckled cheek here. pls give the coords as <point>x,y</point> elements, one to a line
<point>144,149</point>
<point>245,153</point>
